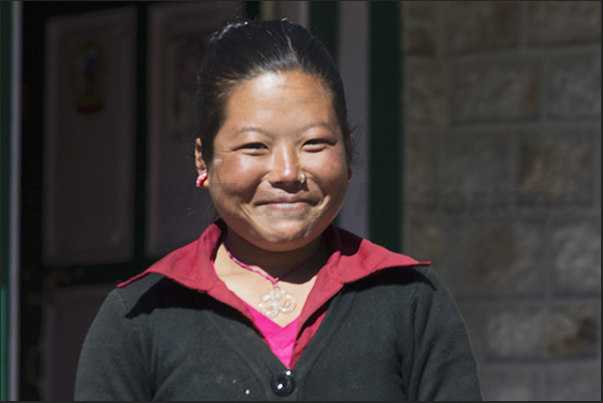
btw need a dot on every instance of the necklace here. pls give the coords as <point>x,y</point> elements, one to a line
<point>277,300</point>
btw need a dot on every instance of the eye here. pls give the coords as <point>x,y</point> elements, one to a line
<point>316,144</point>
<point>254,148</point>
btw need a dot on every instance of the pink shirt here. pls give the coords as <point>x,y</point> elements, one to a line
<point>279,339</point>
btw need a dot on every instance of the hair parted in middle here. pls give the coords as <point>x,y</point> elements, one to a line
<point>242,50</point>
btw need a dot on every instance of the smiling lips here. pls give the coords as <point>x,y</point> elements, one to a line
<point>287,204</point>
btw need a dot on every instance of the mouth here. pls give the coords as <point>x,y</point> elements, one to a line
<point>284,210</point>
<point>287,204</point>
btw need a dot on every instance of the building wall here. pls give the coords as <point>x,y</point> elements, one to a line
<point>502,112</point>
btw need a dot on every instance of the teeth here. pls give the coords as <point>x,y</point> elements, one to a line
<point>286,206</point>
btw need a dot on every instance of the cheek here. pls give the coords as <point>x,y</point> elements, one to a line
<point>331,174</point>
<point>232,179</point>
<point>331,166</point>
<point>232,169</point>
<point>338,168</point>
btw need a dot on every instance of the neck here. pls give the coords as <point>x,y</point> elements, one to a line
<point>276,263</point>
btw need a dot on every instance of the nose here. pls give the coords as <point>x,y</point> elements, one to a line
<point>285,167</point>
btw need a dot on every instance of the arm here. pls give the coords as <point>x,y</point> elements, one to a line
<point>443,366</point>
<point>112,363</point>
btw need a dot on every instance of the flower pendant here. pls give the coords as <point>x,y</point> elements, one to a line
<point>276,301</point>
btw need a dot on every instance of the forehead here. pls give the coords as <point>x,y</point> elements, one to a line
<point>287,97</point>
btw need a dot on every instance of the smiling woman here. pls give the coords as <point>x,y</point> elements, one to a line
<point>282,146</point>
<point>273,300</point>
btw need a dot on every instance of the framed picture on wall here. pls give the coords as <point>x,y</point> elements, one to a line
<point>177,211</point>
<point>89,137</point>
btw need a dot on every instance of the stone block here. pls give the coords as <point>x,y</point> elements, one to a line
<point>573,383</point>
<point>556,167</point>
<point>425,240</point>
<point>574,86</point>
<point>554,332</point>
<point>576,245</point>
<point>426,102</point>
<point>509,384</point>
<point>487,256</point>
<point>421,10</point>
<point>421,170</point>
<point>563,22</point>
<point>515,333</point>
<point>420,40</point>
<point>481,25</point>
<point>598,167</point>
<point>473,163</point>
<point>504,89</point>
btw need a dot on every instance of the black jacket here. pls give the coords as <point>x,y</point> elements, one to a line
<point>396,335</point>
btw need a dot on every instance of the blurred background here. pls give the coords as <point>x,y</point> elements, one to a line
<point>478,148</point>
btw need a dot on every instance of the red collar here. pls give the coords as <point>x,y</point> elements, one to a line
<point>352,258</point>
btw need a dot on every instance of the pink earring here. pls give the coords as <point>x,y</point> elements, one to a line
<point>201,179</point>
<point>350,174</point>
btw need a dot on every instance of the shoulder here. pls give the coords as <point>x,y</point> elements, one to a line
<point>151,292</point>
<point>412,280</point>
<point>406,289</point>
<point>134,290</point>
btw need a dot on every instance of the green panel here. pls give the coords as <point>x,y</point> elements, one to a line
<point>324,24</point>
<point>252,9</point>
<point>5,129</point>
<point>385,127</point>
<point>4,393</point>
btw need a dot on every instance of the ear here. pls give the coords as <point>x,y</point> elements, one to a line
<point>199,162</point>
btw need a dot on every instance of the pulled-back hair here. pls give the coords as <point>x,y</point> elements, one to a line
<point>242,50</point>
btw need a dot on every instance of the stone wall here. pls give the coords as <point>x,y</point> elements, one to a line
<point>502,113</point>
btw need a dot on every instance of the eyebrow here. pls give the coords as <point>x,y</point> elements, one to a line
<point>250,129</point>
<point>305,128</point>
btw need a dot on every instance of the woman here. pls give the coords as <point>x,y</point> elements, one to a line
<point>273,301</point>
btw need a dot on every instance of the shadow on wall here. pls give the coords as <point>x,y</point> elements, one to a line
<point>503,185</point>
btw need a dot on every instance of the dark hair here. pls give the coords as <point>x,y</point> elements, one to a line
<point>242,50</point>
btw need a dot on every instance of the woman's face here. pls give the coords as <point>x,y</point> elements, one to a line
<point>279,129</point>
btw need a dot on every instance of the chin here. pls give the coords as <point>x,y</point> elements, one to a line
<point>277,233</point>
<point>285,237</point>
